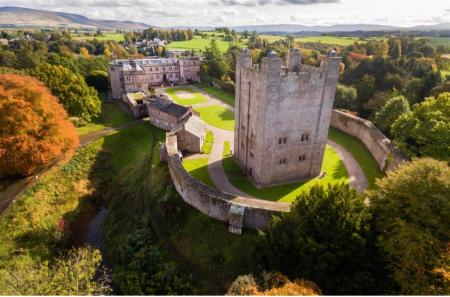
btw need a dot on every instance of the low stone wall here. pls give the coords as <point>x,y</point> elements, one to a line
<point>214,203</point>
<point>378,145</point>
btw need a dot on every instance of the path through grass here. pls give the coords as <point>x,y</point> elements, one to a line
<point>359,152</point>
<point>220,94</point>
<point>111,116</point>
<point>332,165</point>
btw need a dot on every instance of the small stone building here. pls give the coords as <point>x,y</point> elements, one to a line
<point>166,114</point>
<point>192,134</point>
<point>169,116</point>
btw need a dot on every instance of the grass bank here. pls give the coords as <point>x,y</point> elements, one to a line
<point>198,168</point>
<point>220,94</point>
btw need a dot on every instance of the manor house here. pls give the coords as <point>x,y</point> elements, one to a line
<point>282,115</point>
<point>133,75</point>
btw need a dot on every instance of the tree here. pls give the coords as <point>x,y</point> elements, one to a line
<point>346,97</point>
<point>394,108</point>
<point>79,273</point>
<point>272,284</point>
<point>34,129</point>
<point>98,79</point>
<point>411,215</point>
<point>325,238</point>
<point>425,131</point>
<point>215,61</point>
<point>75,95</point>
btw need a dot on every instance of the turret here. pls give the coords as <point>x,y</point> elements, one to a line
<point>294,60</point>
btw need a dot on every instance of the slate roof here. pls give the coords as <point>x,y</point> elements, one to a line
<point>167,106</point>
<point>195,126</point>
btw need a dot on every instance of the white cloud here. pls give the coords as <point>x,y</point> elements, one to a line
<point>247,12</point>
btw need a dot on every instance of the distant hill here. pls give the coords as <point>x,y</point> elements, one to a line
<point>26,17</point>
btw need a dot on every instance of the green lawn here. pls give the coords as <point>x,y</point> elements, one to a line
<point>110,116</point>
<point>217,116</point>
<point>359,152</point>
<point>198,168</point>
<point>104,37</point>
<point>332,165</point>
<point>195,97</point>
<point>207,145</point>
<point>220,94</point>
<point>436,41</point>
<point>200,44</point>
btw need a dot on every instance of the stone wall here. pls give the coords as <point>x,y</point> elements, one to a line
<point>214,203</point>
<point>378,145</point>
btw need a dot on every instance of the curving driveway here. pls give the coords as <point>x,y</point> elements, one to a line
<point>357,178</point>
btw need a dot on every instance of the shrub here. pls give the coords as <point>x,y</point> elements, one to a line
<point>34,129</point>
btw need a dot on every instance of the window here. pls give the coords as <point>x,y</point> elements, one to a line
<point>283,161</point>
<point>242,144</point>
<point>282,140</point>
<point>305,136</point>
<point>302,158</point>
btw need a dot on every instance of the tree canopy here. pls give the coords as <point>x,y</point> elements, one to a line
<point>411,209</point>
<point>34,129</point>
<point>425,131</point>
<point>75,95</point>
<point>325,238</point>
<point>393,108</point>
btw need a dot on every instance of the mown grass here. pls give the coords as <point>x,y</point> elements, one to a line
<point>198,168</point>
<point>209,141</point>
<point>217,116</point>
<point>220,94</point>
<point>332,165</point>
<point>197,97</point>
<point>332,40</point>
<point>200,44</point>
<point>359,152</point>
<point>110,116</point>
<point>104,37</point>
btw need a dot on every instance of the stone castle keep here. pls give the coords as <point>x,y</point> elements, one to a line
<point>282,115</point>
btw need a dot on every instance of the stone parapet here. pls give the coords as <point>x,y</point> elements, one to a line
<point>215,203</point>
<point>379,146</point>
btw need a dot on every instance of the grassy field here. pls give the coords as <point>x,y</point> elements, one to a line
<point>333,40</point>
<point>217,116</point>
<point>436,41</point>
<point>220,94</point>
<point>199,44</point>
<point>332,165</point>
<point>110,116</point>
<point>194,96</point>
<point>198,168</point>
<point>104,37</point>
<point>359,152</point>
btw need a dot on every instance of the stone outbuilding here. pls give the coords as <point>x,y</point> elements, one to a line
<point>169,116</point>
<point>191,135</point>
<point>166,114</point>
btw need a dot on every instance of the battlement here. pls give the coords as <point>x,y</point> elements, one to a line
<point>291,67</point>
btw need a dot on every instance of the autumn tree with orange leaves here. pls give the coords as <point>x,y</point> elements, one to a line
<point>34,129</point>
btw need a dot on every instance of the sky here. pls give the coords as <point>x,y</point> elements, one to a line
<point>253,12</point>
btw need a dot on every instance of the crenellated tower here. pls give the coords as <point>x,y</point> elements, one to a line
<point>282,116</point>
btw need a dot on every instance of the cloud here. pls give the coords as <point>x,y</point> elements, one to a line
<point>275,2</point>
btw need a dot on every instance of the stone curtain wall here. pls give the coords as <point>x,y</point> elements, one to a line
<point>214,203</point>
<point>378,145</point>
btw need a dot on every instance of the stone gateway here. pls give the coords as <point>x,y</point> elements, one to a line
<point>282,114</point>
